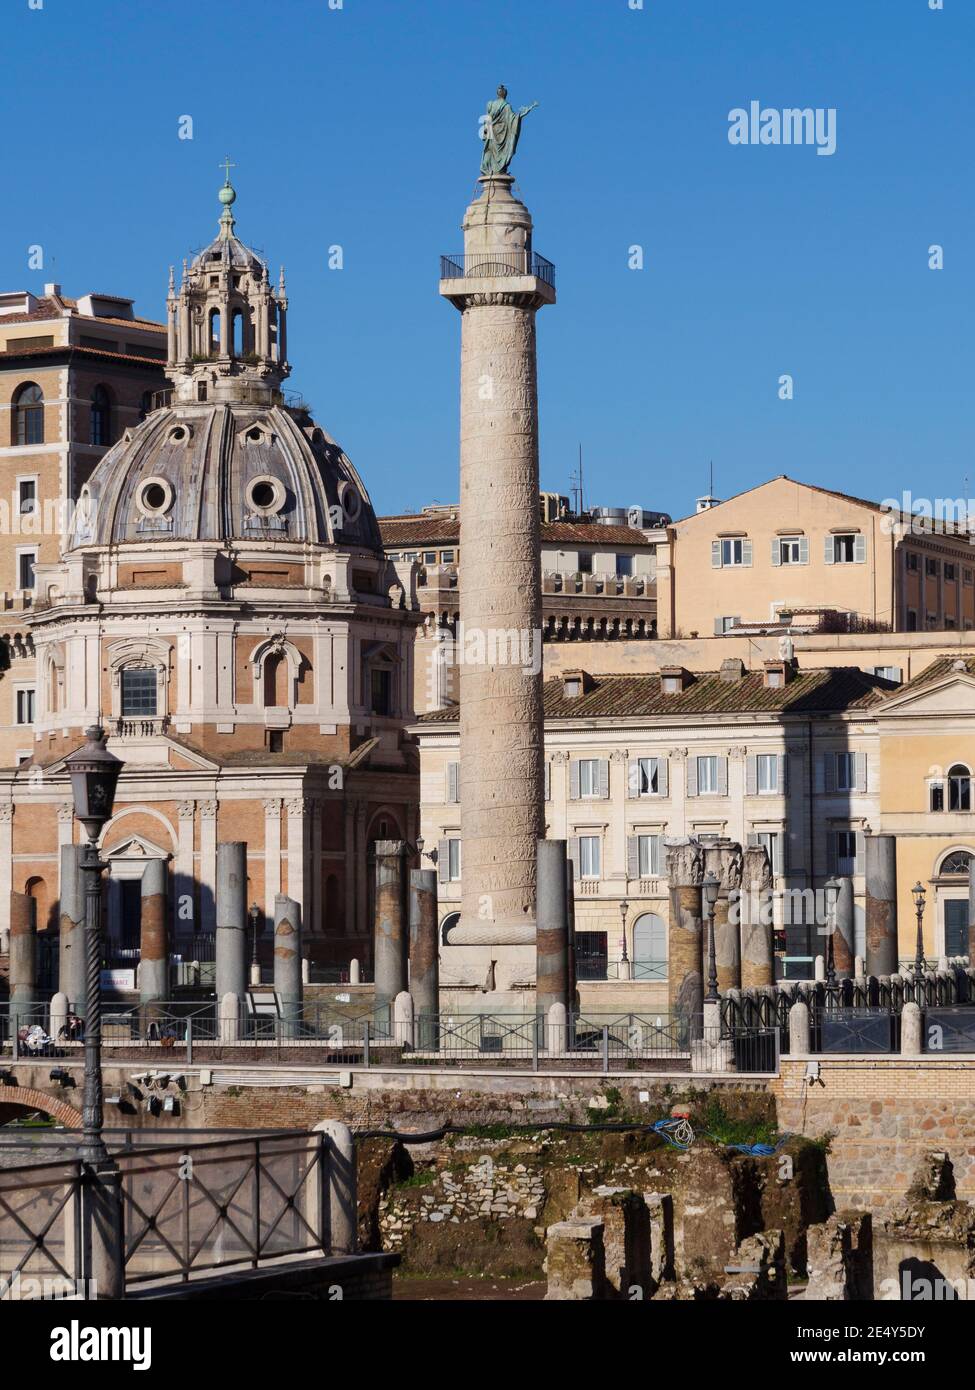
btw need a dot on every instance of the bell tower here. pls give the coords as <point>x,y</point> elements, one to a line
<point>227,325</point>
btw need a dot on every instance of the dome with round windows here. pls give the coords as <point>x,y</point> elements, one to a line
<point>225,458</point>
<point>225,472</point>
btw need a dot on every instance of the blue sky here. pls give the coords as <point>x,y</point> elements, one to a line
<point>358,127</point>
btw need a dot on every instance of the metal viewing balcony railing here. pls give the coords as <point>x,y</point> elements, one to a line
<point>186,1210</point>
<point>486,264</point>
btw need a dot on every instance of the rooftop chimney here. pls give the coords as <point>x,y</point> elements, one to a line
<point>732,670</point>
<point>674,680</point>
<point>575,683</point>
<point>779,672</point>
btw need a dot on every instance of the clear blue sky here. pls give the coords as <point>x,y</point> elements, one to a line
<point>358,126</point>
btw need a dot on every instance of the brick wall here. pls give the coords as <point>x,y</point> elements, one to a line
<point>883,1114</point>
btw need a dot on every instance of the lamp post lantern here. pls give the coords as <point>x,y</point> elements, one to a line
<point>710,887</point>
<point>918,894</point>
<point>94,775</point>
<point>624,909</point>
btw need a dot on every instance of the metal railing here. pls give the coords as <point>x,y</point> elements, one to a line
<point>187,1208</point>
<point>857,1001</point>
<point>168,1031</point>
<point>488,264</point>
<point>163,1034</point>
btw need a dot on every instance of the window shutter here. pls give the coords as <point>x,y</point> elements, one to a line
<point>751,775</point>
<point>804,550</point>
<point>859,549</point>
<point>861,851</point>
<point>829,771</point>
<point>752,838</point>
<point>663,780</point>
<point>656,843</point>
<point>715,555</point>
<point>453,781</point>
<point>548,781</point>
<point>632,856</point>
<point>782,773</point>
<point>573,848</point>
<point>784,839</point>
<point>691,776</point>
<point>633,777</point>
<point>604,777</point>
<point>831,853</point>
<point>443,860</point>
<point>828,556</point>
<point>718,627</point>
<point>776,551</point>
<point>722,776</point>
<point>861,771</point>
<point>574,780</point>
<point>746,552</point>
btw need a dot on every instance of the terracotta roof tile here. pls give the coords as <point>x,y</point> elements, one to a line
<point>13,351</point>
<point>940,667</point>
<point>446,530</point>
<point>828,690</point>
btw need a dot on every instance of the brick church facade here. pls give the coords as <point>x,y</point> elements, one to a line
<point>223,606</point>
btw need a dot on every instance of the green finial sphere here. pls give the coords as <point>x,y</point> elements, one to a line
<point>227,195</point>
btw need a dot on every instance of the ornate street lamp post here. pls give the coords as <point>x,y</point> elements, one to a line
<point>624,909</point>
<point>831,893</point>
<point>255,916</point>
<point>918,893</point>
<point>94,775</point>
<point>710,887</point>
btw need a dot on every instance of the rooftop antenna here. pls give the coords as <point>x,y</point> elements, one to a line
<point>576,488</point>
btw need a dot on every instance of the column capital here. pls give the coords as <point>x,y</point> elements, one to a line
<point>65,813</point>
<point>208,810</point>
<point>186,810</point>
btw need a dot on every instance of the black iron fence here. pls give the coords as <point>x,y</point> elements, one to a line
<point>187,1208</point>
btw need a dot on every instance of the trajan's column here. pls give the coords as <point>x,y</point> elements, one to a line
<point>498,284</point>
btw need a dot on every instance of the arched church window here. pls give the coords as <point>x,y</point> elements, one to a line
<point>213,332</point>
<point>957,862</point>
<point>100,430</point>
<point>238,333</point>
<point>28,414</point>
<point>139,692</point>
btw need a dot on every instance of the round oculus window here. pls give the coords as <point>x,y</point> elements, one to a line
<point>155,496</point>
<point>351,501</point>
<point>265,495</point>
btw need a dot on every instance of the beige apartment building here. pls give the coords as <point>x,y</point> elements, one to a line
<point>806,762</point>
<point>75,374</point>
<point>598,583</point>
<point>782,757</point>
<point>807,559</point>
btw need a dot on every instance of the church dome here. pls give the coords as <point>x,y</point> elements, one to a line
<point>226,460</point>
<point>225,472</point>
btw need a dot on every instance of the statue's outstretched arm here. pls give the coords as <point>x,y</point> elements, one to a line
<point>525,110</point>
